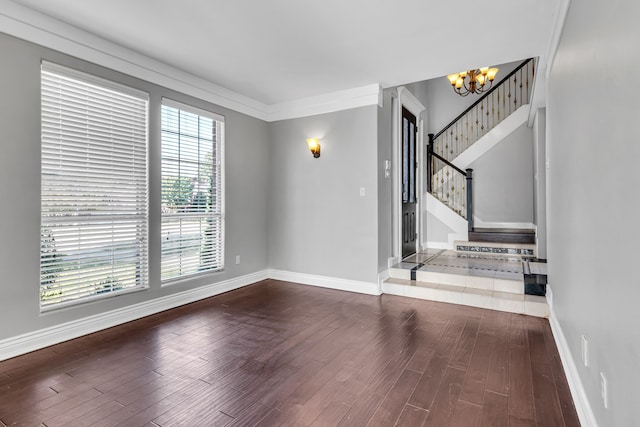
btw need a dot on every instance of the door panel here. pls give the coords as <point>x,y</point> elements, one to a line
<point>409,196</point>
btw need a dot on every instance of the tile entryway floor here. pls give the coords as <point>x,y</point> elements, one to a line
<point>447,261</point>
<point>480,280</point>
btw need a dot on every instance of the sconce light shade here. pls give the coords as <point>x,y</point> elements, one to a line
<point>314,146</point>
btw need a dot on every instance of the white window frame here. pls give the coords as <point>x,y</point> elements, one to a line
<point>219,142</point>
<point>103,225</point>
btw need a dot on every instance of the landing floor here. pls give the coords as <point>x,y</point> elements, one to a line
<point>451,262</point>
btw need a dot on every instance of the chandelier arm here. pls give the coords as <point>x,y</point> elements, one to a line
<point>488,86</point>
<point>466,84</point>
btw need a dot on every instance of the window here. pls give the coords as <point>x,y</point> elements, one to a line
<point>93,234</point>
<point>192,191</point>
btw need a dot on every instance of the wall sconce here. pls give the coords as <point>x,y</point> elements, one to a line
<point>314,147</point>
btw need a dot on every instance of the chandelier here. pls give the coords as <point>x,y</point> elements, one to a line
<point>472,81</point>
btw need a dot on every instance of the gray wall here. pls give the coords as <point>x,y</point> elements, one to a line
<point>593,199</point>
<point>503,180</point>
<point>246,191</point>
<point>540,181</point>
<point>318,222</point>
<point>437,231</point>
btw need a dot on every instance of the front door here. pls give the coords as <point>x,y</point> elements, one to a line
<point>408,193</point>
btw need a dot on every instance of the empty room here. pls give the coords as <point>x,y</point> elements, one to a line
<point>296,213</point>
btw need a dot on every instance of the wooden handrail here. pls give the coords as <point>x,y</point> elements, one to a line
<point>448,163</point>
<point>487,93</point>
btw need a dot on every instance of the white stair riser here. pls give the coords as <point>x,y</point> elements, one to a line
<point>400,273</point>
<point>494,245</point>
<point>511,303</point>
<point>475,282</point>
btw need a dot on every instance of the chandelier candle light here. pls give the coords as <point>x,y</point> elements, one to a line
<point>472,81</point>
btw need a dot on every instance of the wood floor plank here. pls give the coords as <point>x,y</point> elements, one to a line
<point>476,379</point>
<point>277,353</point>
<point>411,416</point>
<point>518,336</point>
<point>444,405</point>
<point>464,348</point>
<point>516,421</point>
<point>521,385</point>
<point>250,416</point>
<point>90,418</point>
<point>427,388</point>
<point>362,410</point>
<point>331,415</point>
<point>498,374</point>
<point>421,359</point>
<point>466,415</point>
<point>495,410</point>
<point>569,413</point>
<point>393,403</point>
<point>547,405</point>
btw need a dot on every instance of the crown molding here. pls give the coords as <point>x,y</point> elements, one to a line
<point>326,103</point>
<point>35,27</point>
<point>30,25</point>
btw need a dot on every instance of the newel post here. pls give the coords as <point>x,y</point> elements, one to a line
<point>429,162</point>
<point>470,199</point>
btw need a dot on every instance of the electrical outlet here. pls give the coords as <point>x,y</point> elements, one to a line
<point>585,351</point>
<point>604,390</point>
<point>362,192</point>
<point>237,259</point>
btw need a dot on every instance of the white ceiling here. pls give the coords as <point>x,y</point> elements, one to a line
<point>283,50</point>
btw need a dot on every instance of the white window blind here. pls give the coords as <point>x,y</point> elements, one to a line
<point>94,199</point>
<point>192,191</point>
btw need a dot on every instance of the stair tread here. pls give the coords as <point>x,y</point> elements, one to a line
<point>496,244</point>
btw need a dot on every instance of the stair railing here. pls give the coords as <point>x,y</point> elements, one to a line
<point>494,106</point>
<point>450,184</point>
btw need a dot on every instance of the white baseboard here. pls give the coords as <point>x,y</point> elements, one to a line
<point>583,407</point>
<point>326,282</point>
<point>36,340</point>
<point>382,277</point>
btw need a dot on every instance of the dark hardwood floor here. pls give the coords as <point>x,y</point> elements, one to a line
<point>280,354</point>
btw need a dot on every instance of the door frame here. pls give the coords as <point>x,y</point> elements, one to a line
<point>404,98</point>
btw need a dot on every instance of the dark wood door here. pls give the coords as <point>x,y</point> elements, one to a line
<point>409,196</point>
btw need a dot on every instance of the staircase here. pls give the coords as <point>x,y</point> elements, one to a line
<point>450,152</point>
<point>487,268</point>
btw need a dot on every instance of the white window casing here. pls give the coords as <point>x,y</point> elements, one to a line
<point>94,188</point>
<point>192,191</point>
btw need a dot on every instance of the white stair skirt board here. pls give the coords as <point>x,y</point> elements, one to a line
<point>530,305</point>
<point>493,137</point>
<point>25,343</point>
<point>448,217</point>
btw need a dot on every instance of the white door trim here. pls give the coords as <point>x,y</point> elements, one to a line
<point>404,98</point>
